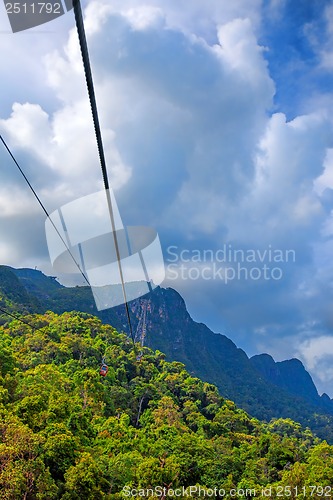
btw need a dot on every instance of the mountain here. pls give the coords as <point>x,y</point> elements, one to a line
<point>36,283</point>
<point>14,296</point>
<point>289,375</point>
<point>260,386</point>
<point>147,429</point>
<point>293,377</point>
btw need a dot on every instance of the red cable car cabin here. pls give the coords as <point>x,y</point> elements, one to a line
<point>103,370</point>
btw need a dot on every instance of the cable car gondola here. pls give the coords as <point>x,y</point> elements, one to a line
<point>103,370</point>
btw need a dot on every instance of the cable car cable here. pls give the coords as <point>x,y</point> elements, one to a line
<point>42,206</point>
<point>19,319</point>
<point>92,98</point>
<point>47,215</point>
<point>91,93</point>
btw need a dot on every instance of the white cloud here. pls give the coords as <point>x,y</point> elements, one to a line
<point>240,52</point>
<point>196,16</point>
<point>8,253</point>
<point>64,145</point>
<point>325,180</point>
<point>314,350</point>
<point>16,201</point>
<point>28,129</point>
<point>289,158</point>
<point>326,49</point>
<point>144,17</point>
<point>319,33</point>
<point>277,6</point>
<point>317,355</point>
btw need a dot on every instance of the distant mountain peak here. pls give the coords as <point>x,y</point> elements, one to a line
<point>290,375</point>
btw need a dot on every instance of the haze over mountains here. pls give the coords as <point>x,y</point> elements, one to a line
<point>259,385</point>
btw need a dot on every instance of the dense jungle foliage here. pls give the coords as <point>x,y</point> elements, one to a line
<point>67,433</point>
<point>213,358</point>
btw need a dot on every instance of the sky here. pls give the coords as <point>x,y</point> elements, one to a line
<point>218,132</point>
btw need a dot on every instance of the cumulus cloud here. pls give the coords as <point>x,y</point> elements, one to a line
<point>317,354</point>
<point>197,17</point>
<point>323,42</point>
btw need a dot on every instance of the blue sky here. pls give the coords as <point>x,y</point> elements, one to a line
<point>217,124</point>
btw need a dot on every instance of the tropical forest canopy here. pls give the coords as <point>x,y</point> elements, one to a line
<point>67,433</point>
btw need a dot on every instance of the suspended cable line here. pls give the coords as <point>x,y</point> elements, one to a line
<point>18,318</point>
<point>94,110</point>
<point>43,207</point>
<point>91,93</point>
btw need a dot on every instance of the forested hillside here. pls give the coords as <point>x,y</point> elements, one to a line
<point>262,388</point>
<point>67,433</point>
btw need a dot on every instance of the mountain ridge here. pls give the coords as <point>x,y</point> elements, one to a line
<point>210,356</point>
